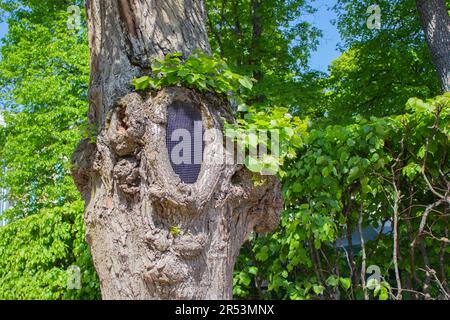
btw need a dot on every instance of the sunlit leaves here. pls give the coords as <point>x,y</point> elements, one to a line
<point>200,71</point>
<point>337,171</point>
<point>278,57</point>
<point>379,69</point>
<point>282,136</point>
<point>44,74</point>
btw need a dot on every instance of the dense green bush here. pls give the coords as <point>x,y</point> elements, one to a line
<point>377,170</point>
<point>44,73</point>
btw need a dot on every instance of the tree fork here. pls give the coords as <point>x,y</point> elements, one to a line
<point>152,236</point>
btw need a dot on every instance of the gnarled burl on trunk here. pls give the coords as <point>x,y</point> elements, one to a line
<point>151,235</point>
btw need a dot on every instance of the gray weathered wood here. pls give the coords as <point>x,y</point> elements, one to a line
<point>124,35</point>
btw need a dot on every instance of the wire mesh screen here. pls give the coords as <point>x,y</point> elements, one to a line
<point>184,140</point>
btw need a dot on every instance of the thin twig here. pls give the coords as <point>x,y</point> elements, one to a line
<point>424,219</point>
<point>363,249</point>
<point>395,222</point>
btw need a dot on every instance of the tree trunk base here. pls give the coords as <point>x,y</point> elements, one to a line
<point>152,236</point>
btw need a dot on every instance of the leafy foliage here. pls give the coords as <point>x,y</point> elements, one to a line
<point>286,132</point>
<point>380,69</point>
<point>208,73</point>
<point>199,71</point>
<point>270,41</point>
<point>44,74</point>
<point>343,172</point>
<point>37,251</point>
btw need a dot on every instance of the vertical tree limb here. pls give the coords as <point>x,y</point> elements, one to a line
<point>436,27</point>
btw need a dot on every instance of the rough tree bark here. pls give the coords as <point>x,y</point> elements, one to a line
<point>436,26</point>
<point>133,197</point>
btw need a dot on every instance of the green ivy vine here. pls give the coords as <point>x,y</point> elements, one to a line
<point>207,73</point>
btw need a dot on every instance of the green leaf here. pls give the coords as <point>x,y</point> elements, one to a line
<point>245,279</point>
<point>253,270</point>
<point>333,281</point>
<point>321,160</point>
<point>157,66</point>
<point>141,83</point>
<point>351,142</point>
<point>246,82</point>
<point>242,108</point>
<point>263,254</point>
<point>175,231</point>
<point>318,289</point>
<point>354,174</point>
<point>345,283</point>
<point>383,294</point>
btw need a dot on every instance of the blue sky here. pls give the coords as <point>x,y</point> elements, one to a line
<point>326,52</point>
<point>3,29</point>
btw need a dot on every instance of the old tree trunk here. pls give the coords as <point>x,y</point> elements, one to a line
<point>152,236</point>
<point>436,27</point>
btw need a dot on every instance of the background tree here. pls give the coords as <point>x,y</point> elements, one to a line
<point>380,68</point>
<point>43,79</point>
<point>436,26</point>
<point>272,42</point>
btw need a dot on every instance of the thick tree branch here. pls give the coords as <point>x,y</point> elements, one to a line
<point>436,27</point>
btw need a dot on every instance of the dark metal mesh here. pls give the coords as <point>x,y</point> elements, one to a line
<point>182,115</point>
